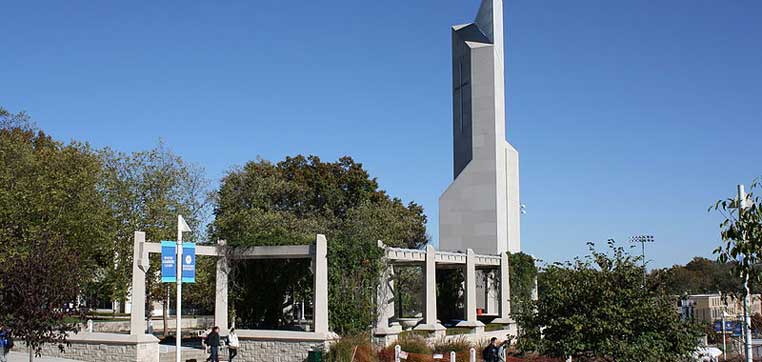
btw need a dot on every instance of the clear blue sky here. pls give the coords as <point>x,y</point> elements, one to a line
<point>630,116</point>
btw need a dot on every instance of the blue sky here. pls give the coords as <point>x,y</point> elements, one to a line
<point>630,116</point>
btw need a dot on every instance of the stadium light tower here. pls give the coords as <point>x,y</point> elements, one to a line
<point>643,239</point>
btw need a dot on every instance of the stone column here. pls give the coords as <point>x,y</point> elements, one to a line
<point>505,291</point>
<point>385,299</point>
<point>138,291</point>
<point>320,269</point>
<point>221,298</point>
<point>430,287</point>
<point>469,298</point>
<point>385,332</point>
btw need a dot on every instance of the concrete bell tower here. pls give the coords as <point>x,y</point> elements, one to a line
<point>481,208</point>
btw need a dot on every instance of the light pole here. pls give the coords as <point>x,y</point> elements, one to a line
<point>643,239</point>
<point>743,204</point>
<point>724,344</point>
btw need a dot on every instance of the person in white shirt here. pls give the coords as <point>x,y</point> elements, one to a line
<point>233,344</point>
<point>502,349</point>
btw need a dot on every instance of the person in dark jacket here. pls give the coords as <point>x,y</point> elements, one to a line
<point>490,353</point>
<point>6,343</point>
<point>213,342</point>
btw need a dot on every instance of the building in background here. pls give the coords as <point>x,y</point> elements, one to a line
<point>708,308</point>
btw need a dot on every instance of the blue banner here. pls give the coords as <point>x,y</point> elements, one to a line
<point>734,327</point>
<point>189,263</point>
<point>168,266</point>
<point>169,259</point>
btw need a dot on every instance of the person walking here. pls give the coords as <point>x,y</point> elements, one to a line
<point>489,354</point>
<point>6,343</point>
<point>501,351</point>
<point>233,344</point>
<point>213,342</point>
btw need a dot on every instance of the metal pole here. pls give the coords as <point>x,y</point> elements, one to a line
<point>643,245</point>
<point>747,320</point>
<point>643,239</point>
<point>747,296</point>
<point>724,345</point>
<point>179,265</point>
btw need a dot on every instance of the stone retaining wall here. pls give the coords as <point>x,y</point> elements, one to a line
<point>103,347</point>
<point>123,326</point>
<point>279,346</point>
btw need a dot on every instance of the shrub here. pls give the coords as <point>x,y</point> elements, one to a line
<point>414,344</point>
<point>357,348</point>
<point>459,345</point>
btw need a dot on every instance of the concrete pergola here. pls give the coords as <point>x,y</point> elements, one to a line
<point>430,258</point>
<point>316,252</point>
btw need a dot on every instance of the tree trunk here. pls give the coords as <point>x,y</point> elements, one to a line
<point>31,354</point>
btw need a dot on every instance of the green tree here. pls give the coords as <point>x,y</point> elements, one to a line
<point>146,191</point>
<point>595,309</point>
<point>54,225</point>
<point>291,201</point>
<point>741,233</point>
<point>699,276</point>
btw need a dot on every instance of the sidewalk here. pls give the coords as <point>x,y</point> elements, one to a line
<point>23,357</point>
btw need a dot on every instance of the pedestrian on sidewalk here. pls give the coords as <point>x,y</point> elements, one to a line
<point>213,341</point>
<point>6,343</point>
<point>233,344</point>
<point>489,354</point>
<point>501,351</point>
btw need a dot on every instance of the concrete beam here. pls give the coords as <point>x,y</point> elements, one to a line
<point>221,297</point>
<point>138,290</point>
<point>274,252</point>
<point>320,270</point>
<point>252,252</point>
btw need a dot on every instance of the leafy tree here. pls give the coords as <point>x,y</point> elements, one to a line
<point>595,309</point>
<point>742,239</point>
<point>53,225</point>
<point>40,287</point>
<point>146,191</point>
<point>291,201</point>
<point>450,292</point>
<point>48,189</point>
<point>699,276</point>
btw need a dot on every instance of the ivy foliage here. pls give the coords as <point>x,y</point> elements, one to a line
<point>289,202</point>
<point>523,274</point>
<point>595,308</point>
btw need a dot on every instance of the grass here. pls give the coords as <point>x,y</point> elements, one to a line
<point>352,349</point>
<point>458,345</point>
<point>458,330</point>
<point>494,327</point>
<point>461,330</point>
<point>424,334</point>
<point>414,344</point>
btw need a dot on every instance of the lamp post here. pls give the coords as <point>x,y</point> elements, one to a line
<point>724,344</point>
<point>743,203</point>
<point>643,239</point>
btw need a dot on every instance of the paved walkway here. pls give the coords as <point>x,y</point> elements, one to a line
<point>23,357</point>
